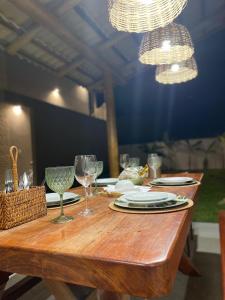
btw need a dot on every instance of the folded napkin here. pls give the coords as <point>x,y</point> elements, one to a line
<point>125,186</point>
<point>133,175</point>
<point>122,186</point>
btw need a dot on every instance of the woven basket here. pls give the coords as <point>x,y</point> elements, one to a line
<point>143,16</point>
<point>153,48</point>
<point>186,71</point>
<point>23,206</point>
<point>20,207</point>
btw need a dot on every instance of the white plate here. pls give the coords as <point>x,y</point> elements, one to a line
<point>106,181</point>
<point>173,179</point>
<point>170,197</point>
<point>148,206</point>
<point>149,197</point>
<point>137,188</point>
<point>52,198</point>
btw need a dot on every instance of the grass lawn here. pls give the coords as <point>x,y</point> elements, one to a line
<point>211,195</point>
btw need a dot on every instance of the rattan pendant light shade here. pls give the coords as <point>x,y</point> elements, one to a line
<point>143,15</point>
<point>168,45</point>
<point>177,73</point>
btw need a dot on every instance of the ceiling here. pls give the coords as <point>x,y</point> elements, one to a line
<point>74,39</point>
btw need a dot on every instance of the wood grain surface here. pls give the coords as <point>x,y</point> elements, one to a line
<point>124,253</point>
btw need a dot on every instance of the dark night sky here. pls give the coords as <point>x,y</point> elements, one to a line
<point>147,110</point>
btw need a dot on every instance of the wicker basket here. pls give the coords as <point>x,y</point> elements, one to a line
<point>21,207</point>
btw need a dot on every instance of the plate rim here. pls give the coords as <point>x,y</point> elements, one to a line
<point>148,202</point>
<point>179,203</point>
<point>174,184</point>
<point>159,200</point>
<point>164,178</point>
<point>73,195</point>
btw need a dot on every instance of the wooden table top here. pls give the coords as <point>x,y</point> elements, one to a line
<point>132,254</point>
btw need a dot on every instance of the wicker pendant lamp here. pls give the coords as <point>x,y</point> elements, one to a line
<point>177,73</point>
<point>143,15</point>
<point>168,45</point>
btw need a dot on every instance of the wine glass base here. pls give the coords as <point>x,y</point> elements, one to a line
<point>86,212</point>
<point>62,219</point>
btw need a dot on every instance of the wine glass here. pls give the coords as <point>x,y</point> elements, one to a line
<point>154,163</point>
<point>124,160</point>
<point>99,168</point>
<point>134,162</point>
<point>8,181</point>
<point>60,179</point>
<point>85,172</point>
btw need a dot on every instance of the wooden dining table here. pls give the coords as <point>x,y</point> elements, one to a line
<point>119,254</point>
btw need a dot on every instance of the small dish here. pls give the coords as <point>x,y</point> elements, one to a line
<point>180,180</point>
<point>153,206</point>
<point>53,199</point>
<point>106,181</point>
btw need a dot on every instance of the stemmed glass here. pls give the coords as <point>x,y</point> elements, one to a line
<point>134,162</point>
<point>124,161</point>
<point>60,179</point>
<point>99,168</point>
<point>154,163</point>
<point>85,172</point>
<point>8,181</point>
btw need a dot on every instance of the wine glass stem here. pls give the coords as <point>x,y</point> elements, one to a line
<point>61,204</point>
<point>95,184</point>
<point>86,197</point>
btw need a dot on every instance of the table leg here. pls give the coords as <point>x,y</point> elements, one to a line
<point>67,291</point>
<point>187,267</point>
<point>4,277</point>
<point>60,290</point>
<point>105,295</point>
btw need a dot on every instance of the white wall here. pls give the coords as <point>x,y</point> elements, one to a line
<point>26,79</point>
<point>180,155</point>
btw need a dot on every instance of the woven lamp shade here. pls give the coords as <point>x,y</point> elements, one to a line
<point>143,15</point>
<point>168,45</point>
<point>177,73</point>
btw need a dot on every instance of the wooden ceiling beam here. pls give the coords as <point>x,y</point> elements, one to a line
<point>66,6</point>
<point>27,37</point>
<point>44,48</point>
<point>101,47</point>
<point>71,66</point>
<point>112,41</point>
<point>95,85</point>
<point>23,40</point>
<point>54,25</point>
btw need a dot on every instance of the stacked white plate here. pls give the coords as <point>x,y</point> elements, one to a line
<point>173,181</point>
<point>150,200</point>
<point>53,199</point>
<point>106,181</point>
<point>134,189</point>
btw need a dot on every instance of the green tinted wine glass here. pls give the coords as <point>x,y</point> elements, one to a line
<point>60,179</point>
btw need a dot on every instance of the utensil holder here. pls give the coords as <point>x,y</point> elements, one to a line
<point>20,207</point>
